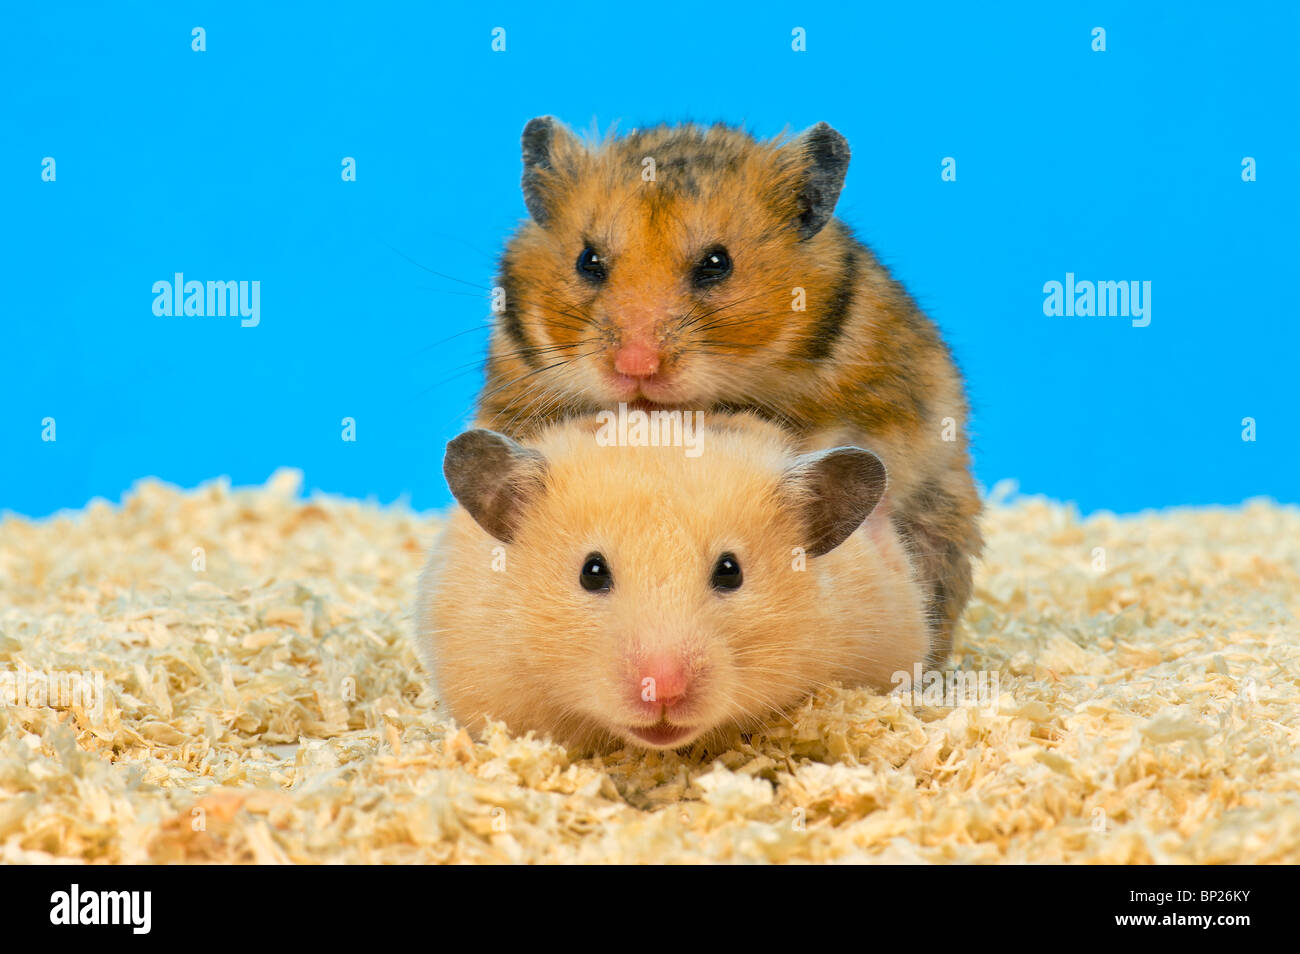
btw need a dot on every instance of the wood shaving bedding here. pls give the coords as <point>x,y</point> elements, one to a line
<point>268,707</point>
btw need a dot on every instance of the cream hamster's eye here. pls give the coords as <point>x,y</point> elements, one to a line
<point>713,267</point>
<point>591,266</point>
<point>595,576</point>
<point>726,573</point>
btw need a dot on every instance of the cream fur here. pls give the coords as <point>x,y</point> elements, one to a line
<point>528,645</point>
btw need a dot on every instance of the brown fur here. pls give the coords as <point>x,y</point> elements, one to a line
<point>523,642</point>
<point>861,365</point>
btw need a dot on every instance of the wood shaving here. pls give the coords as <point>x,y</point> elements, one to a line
<point>269,707</point>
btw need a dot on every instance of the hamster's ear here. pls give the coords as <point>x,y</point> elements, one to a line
<point>546,146</point>
<point>826,154</point>
<point>834,490</point>
<point>494,478</point>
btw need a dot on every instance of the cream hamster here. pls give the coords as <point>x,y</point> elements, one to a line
<point>602,594</point>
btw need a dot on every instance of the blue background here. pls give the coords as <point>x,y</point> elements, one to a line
<point>226,165</point>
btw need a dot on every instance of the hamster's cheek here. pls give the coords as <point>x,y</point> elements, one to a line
<point>777,651</point>
<point>562,646</point>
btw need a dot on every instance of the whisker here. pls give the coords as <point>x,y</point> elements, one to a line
<point>431,271</point>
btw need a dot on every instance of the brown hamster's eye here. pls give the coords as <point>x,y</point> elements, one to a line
<point>595,576</point>
<point>713,267</point>
<point>591,266</point>
<point>726,573</point>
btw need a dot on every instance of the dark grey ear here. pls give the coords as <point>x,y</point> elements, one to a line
<point>836,490</point>
<point>494,478</point>
<point>827,153</point>
<point>539,147</point>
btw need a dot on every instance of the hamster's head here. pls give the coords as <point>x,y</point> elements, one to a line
<point>646,596</point>
<point>676,266</point>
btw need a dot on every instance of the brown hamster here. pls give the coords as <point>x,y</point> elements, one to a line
<point>697,268</point>
<point>602,594</point>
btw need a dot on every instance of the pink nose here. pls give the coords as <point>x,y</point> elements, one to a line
<point>662,680</point>
<point>636,359</point>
